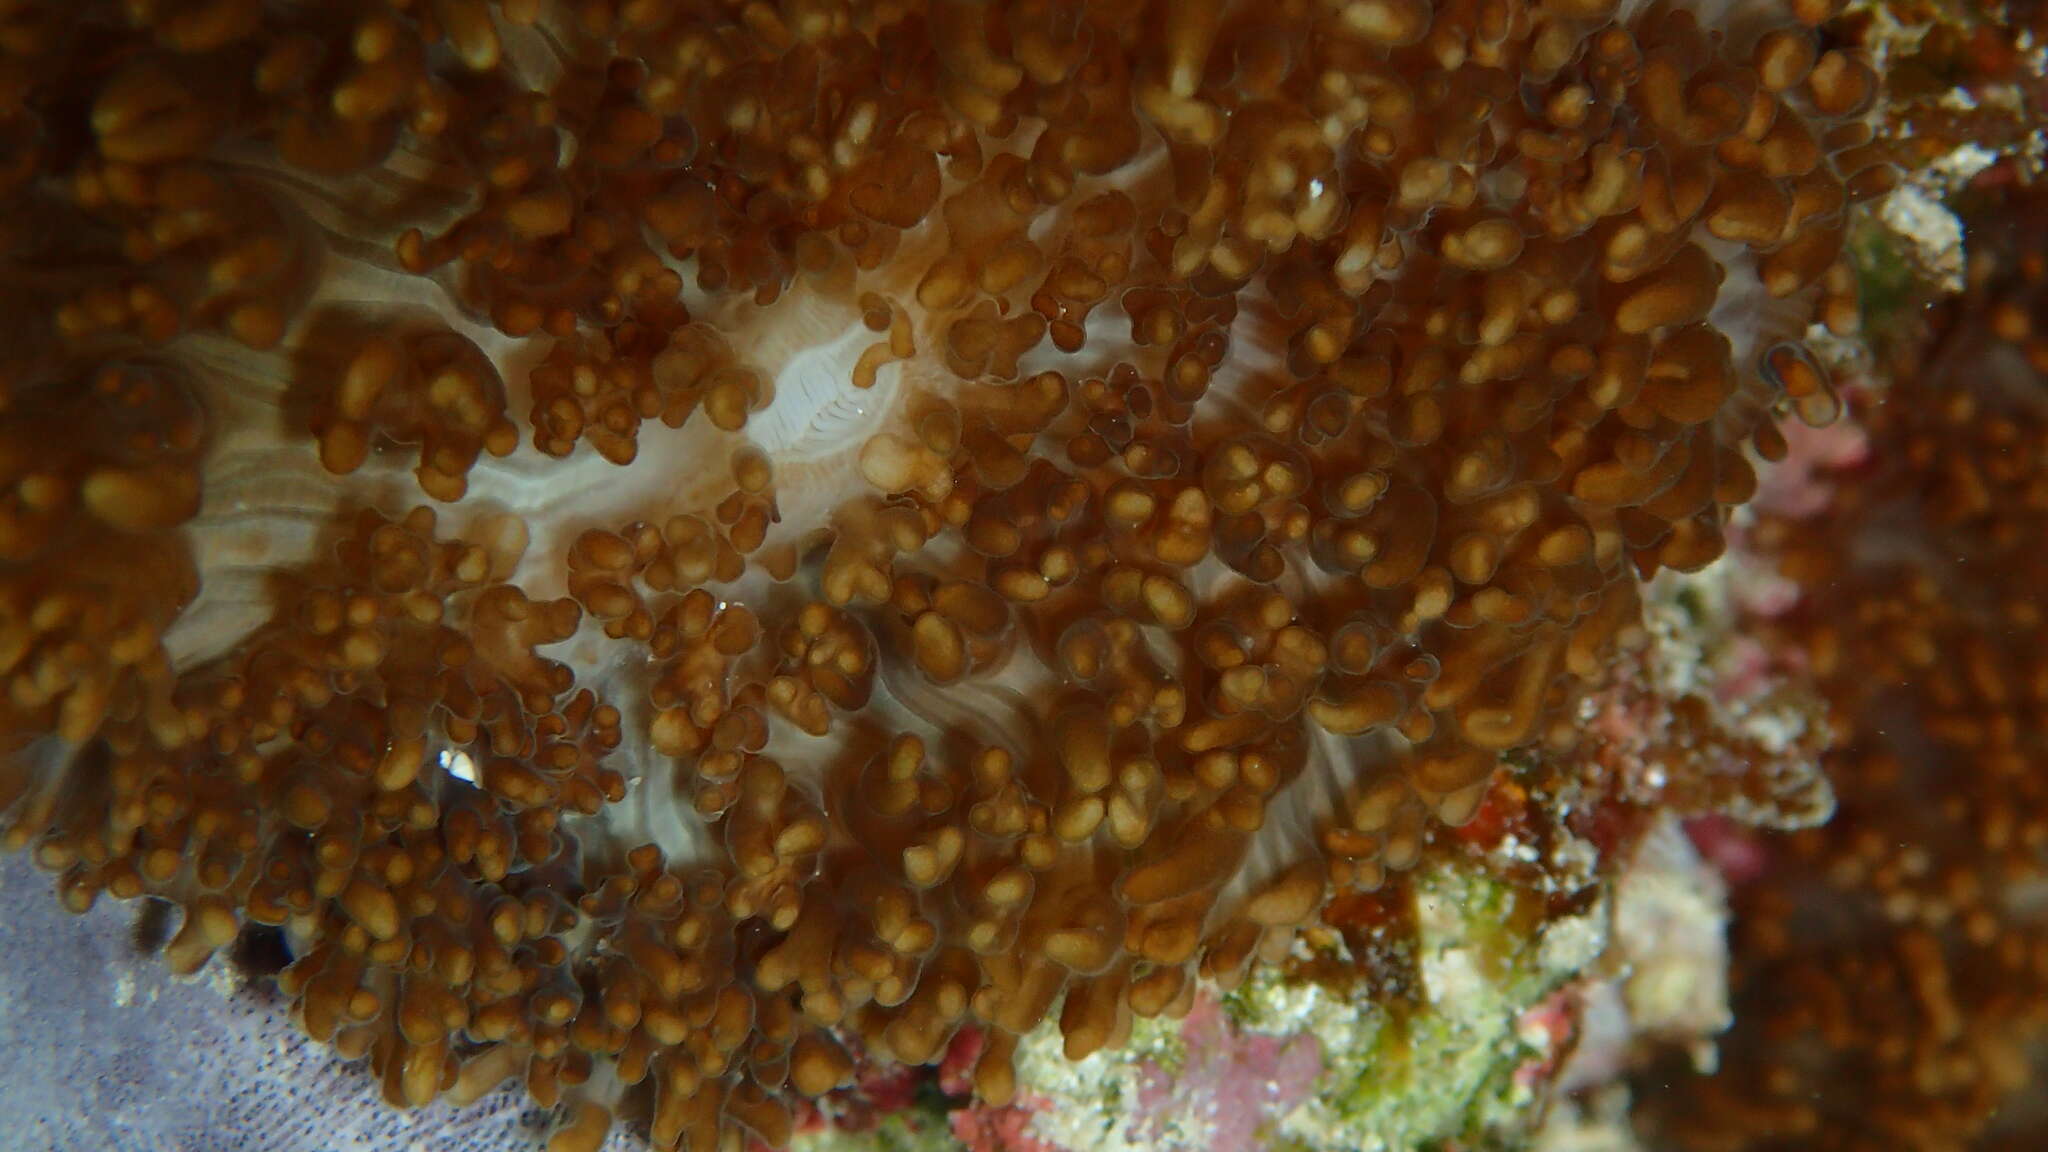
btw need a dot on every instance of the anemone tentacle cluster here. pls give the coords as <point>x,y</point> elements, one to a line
<point>1894,962</point>
<point>937,514</point>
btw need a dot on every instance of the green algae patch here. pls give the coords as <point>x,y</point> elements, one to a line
<point>1889,281</point>
<point>916,1131</point>
<point>1441,1065</point>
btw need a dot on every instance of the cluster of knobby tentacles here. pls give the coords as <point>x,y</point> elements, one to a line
<point>1892,966</point>
<point>1265,415</point>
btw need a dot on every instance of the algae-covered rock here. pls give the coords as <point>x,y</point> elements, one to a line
<point>1288,1063</point>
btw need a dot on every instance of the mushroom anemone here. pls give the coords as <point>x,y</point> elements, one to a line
<point>662,543</point>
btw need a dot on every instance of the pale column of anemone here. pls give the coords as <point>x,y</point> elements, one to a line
<point>1123,476</point>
